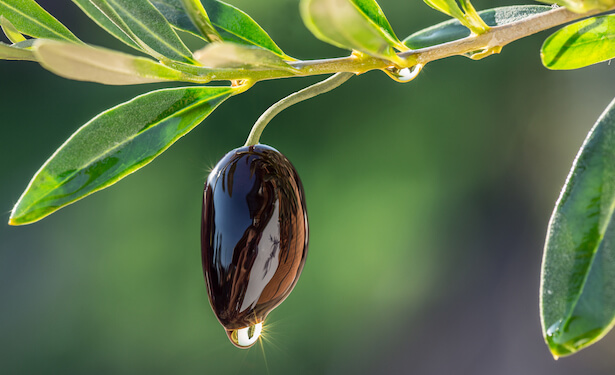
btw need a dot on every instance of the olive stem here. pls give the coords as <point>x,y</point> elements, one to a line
<point>294,98</point>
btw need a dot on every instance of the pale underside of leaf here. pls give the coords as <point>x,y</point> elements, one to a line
<point>451,30</point>
<point>340,23</point>
<point>114,144</point>
<point>13,53</point>
<point>86,63</point>
<point>231,55</point>
<point>583,6</point>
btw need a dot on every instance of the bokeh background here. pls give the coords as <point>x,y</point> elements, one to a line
<point>428,205</point>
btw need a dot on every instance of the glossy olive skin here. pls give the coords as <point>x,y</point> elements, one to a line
<point>254,234</point>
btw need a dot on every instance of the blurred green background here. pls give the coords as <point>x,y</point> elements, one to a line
<point>428,205</point>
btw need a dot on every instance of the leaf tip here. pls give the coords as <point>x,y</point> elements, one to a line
<point>15,222</point>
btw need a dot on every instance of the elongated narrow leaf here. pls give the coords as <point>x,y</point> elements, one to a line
<point>581,44</point>
<point>475,23</point>
<point>141,22</point>
<point>449,7</point>
<point>349,24</point>
<point>114,144</point>
<point>14,53</point>
<point>11,31</point>
<point>198,16</point>
<point>578,271</point>
<point>174,12</point>
<point>373,13</point>
<point>232,24</point>
<point>453,29</point>
<point>583,6</point>
<point>107,23</point>
<point>231,55</point>
<point>468,16</point>
<point>236,26</point>
<point>86,63</point>
<point>30,19</point>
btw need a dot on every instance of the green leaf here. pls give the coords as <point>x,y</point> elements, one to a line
<point>108,23</point>
<point>11,31</point>
<point>468,16</point>
<point>373,13</point>
<point>449,7</point>
<point>475,23</point>
<point>114,144</point>
<point>237,56</point>
<point>198,16</point>
<point>14,53</point>
<point>577,299</point>
<point>86,63</point>
<point>581,44</point>
<point>176,15</point>
<point>30,19</point>
<point>583,6</point>
<point>236,26</point>
<point>453,29</point>
<point>352,24</point>
<point>232,24</point>
<point>141,22</point>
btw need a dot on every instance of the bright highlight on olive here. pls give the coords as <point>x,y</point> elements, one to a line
<point>254,238</point>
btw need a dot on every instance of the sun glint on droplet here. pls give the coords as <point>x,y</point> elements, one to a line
<point>405,74</point>
<point>244,338</point>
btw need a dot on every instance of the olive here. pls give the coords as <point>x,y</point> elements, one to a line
<point>254,238</point>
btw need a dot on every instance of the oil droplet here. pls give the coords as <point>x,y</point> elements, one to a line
<point>484,52</point>
<point>404,74</point>
<point>244,338</point>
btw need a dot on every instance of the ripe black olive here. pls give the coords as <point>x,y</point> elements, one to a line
<point>254,238</point>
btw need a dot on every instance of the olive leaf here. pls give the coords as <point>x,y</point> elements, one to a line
<point>577,299</point>
<point>10,31</point>
<point>231,55</point>
<point>109,21</point>
<point>352,24</point>
<point>31,19</point>
<point>468,16</point>
<point>583,6</point>
<point>87,63</point>
<point>232,24</point>
<point>198,15</point>
<point>142,24</point>
<point>8,52</point>
<point>451,30</point>
<point>581,44</point>
<point>114,144</point>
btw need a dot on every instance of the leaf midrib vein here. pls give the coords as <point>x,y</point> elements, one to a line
<point>110,150</point>
<point>38,22</point>
<point>146,28</point>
